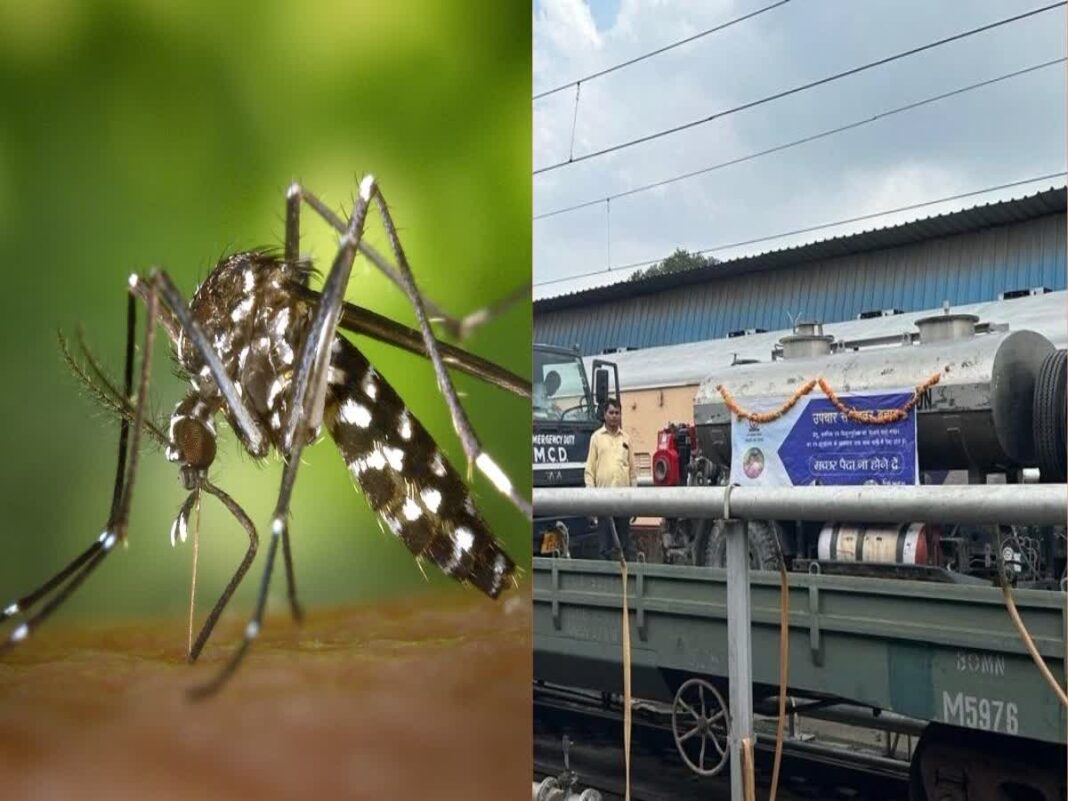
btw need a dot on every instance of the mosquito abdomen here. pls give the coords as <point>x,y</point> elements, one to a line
<point>405,478</point>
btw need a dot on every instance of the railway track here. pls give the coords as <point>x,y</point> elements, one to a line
<point>594,729</point>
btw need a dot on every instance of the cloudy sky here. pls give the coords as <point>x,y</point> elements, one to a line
<point>998,134</point>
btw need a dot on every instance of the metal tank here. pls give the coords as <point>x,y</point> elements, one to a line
<point>978,417</point>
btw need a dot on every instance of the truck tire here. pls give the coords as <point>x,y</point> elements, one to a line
<point>765,538</point>
<point>1048,417</point>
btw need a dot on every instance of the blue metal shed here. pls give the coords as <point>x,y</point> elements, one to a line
<point>967,256</point>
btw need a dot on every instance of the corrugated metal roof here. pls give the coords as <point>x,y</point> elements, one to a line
<point>964,257</point>
<point>1040,204</point>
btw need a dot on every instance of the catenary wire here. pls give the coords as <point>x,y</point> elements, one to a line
<point>804,140</point>
<point>811,228</point>
<point>797,89</point>
<point>658,51</point>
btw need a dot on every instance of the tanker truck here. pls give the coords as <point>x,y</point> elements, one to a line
<point>985,404</point>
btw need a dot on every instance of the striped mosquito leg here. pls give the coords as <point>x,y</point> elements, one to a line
<point>453,325</point>
<point>70,578</point>
<point>404,476</point>
<point>239,574</point>
<point>255,623</point>
<point>472,447</point>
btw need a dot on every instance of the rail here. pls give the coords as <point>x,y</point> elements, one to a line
<point>1026,504</point>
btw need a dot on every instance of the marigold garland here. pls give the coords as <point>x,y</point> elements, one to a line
<point>881,417</point>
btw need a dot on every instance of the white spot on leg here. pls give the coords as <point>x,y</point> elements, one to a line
<point>367,186</point>
<point>411,510</point>
<point>133,280</point>
<point>12,609</point>
<point>432,498</point>
<point>355,414</point>
<point>278,526</point>
<point>252,630</point>
<point>19,634</point>
<point>109,540</point>
<point>494,473</point>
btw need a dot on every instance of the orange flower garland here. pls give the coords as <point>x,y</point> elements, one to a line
<point>882,417</point>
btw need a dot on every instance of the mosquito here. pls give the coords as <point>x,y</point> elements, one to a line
<point>263,349</point>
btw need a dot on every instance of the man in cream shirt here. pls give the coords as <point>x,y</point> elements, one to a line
<point>611,464</point>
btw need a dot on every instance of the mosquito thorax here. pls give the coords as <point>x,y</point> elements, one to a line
<point>249,312</point>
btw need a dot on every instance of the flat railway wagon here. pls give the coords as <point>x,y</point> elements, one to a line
<point>945,654</point>
<point>900,617</point>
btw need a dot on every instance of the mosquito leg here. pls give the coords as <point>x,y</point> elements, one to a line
<point>239,574</point>
<point>292,256</point>
<point>453,325</point>
<point>255,623</point>
<point>129,443</point>
<point>309,382</point>
<point>292,246</point>
<point>480,317</point>
<point>472,447</point>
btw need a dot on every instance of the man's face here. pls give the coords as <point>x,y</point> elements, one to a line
<point>612,416</point>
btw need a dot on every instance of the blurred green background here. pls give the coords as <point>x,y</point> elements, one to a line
<point>138,133</point>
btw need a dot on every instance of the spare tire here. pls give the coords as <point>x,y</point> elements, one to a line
<point>1048,426</point>
<point>765,538</point>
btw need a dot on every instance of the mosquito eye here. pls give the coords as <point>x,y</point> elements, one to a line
<point>195,443</point>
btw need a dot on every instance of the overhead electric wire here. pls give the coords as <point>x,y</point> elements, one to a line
<point>796,89</point>
<point>804,140</point>
<point>811,228</point>
<point>659,50</point>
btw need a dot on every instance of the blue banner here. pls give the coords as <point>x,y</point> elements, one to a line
<point>814,443</point>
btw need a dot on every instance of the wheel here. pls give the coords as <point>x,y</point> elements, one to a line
<point>699,718</point>
<point>765,537</point>
<point>1048,417</point>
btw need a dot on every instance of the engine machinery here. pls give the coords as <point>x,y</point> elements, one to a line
<point>997,414</point>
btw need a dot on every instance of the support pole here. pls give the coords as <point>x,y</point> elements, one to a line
<point>739,649</point>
